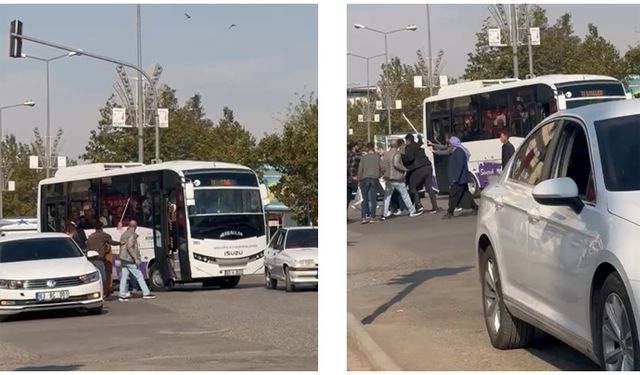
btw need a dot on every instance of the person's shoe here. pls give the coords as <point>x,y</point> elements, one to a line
<point>420,209</point>
<point>374,220</point>
<point>365,221</point>
<point>435,210</point>
<point>123,299</point>
<point>458,209</point>
<point>149,296</point>
<point>416,213</point>
<point>398,212</point>
<point>447,216</point>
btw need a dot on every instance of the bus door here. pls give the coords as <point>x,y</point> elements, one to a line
<point>55,216</point>
<point>441,127</point>
<point>160,273</point>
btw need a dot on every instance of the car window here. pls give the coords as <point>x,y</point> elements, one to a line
<point>38,249</point>
<point>302,238</point>
<point>280,242</point>
<point>575,161</point>
<point>528,165</point>
<point>274,239</point>
<point>618,140</point>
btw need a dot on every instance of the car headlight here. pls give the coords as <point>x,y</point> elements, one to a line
<point>11,284</point>
<point>90,277</point>
<point>306,262</point>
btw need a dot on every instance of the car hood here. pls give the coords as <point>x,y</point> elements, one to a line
<point>303,253</point>
<point>625,204</point>
<point>46,269</point>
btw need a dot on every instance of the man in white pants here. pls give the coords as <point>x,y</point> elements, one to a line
<point>393,172</point>
<point>129,260</point>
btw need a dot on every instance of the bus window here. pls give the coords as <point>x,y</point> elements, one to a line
<point>438,121</point>
<point>116,191</point>
<point>493,114</point>
<point>465,124</point>
<point>522,113</point>
<point>546,102</point>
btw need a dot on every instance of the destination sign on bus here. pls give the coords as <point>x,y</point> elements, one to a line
<point>222,179</point>
<point>591,90</point>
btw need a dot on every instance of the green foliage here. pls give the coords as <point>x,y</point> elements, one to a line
<point>294,153</point>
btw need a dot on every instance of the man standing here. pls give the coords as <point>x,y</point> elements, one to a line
<point>368,176</point>
<point>458,174</point>
<point>393,172</point>
<point>507,148</point>
<point>353,161</point>
<point>101,242</point>
<point>419,172</point>
<point>130,259</point>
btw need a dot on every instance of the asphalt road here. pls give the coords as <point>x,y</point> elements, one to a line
<point>245,328</point>
<point>414,285</point>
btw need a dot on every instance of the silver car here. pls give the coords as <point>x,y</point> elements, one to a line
<point>292,257</point>
<point>558,236</point>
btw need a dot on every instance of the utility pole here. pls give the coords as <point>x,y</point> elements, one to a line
<point>514,39</point>
<point>139,107</point>
<point>430,56</point>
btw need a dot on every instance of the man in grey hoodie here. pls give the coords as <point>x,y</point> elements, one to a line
<point>130,259</point>
<point>368,175</point>
<point>394,175</point>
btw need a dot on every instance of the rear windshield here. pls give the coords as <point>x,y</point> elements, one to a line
<point>38,249</point>
<point>618,140</point>
<point>302,238</point>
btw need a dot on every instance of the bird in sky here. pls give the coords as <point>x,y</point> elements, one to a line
<point>232,25</point>
<point>187,15</point>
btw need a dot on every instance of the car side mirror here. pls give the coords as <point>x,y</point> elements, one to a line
<point>561,191</point>
<point>92,254</point>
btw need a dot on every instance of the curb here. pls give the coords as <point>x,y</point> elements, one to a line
<point>377,358</point>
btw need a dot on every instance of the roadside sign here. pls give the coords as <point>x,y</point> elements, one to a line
<point>118,117</point>
<point>33,162</point>
<point>398,104</point>
<point>62,162</point>
<point>417,82</point>
<point>376,118</point>
<point>534,32</point>
<point>11,186</point>
<point>360,118</point>
<point>350,131</point>
<point>163,118</point>
<point>378,104</point>
<point>444,81</point>
<point>494,37</point>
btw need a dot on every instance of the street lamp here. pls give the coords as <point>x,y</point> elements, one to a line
<point>27,103</point>
<point>386,52</point>
<point>368,86</point>
<point>48,141</point>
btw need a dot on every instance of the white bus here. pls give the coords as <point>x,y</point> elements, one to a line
<point>197,221</point>
<point>476,111</point>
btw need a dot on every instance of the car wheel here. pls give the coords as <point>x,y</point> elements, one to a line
<point>269,282</point>
<point>95,310</point>
<point>155,281</point>
<point>616,335</point>
<point>505,331</point>
<point>288,285</point>
<point>474,186</point>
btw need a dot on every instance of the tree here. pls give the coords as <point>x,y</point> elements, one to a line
<point>294,153</point>
<point>230,141</point>
<point>632,60</point>
<point>599,56</point>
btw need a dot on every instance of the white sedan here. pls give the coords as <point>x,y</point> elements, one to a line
<point>47,271</point>
<point>557,236</point>
<point>292,257</point>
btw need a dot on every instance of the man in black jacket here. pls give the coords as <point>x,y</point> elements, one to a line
<point>507,148</point>
<point>419,171</point>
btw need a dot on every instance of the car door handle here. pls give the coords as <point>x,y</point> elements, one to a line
<point>499,204</point>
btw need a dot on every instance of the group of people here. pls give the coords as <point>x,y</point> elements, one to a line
<point>101,242</point>
<point>404,169</point>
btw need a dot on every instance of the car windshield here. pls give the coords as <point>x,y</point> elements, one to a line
<point>213,201</point>
<point>618,140</point>
<point>302,238</point>
<point>38,249</point>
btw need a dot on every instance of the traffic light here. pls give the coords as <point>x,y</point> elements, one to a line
<point>15,43</point>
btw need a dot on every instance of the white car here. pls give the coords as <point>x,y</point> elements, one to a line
<point>292,257</point>
<point>558,236</point>
<point>47,271</point>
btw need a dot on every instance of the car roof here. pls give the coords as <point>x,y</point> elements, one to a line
<point>31,236</point>
<point>602,111</point>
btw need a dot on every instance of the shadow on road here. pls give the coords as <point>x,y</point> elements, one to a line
<point>49,368</point>
<point>412,280</point>
<point>49,314</point>
<point>559,354</point>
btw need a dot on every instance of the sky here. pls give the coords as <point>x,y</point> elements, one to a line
<point>453,29</point>
<point>256,68</point>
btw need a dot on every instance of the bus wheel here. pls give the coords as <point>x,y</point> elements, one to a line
<point>474,186</point>
<point>156,282</point>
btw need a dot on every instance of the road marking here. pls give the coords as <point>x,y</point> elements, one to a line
<point>193,332</point>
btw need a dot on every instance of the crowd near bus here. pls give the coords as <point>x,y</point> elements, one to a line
<point>168,223</point>
<point>472,129</point>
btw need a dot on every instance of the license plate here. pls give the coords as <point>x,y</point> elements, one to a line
<point>58,295</point>
<point>232,272</point>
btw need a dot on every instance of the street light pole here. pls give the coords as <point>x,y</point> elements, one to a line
<point>386,55</point>
<point>140,116</point>
<point>367,59</point>
<point>514,39</point>
<point>47,147</point>
<point>429,48</point>
<point>27,103</point>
